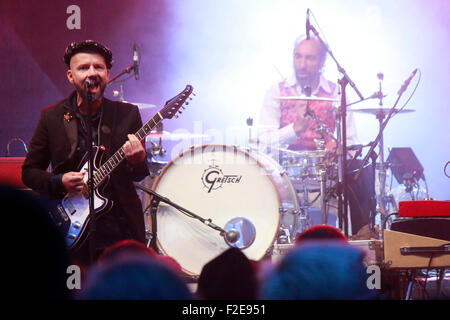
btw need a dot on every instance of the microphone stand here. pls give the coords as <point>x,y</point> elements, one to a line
<point>90,177</point>
<point>121,73</point>
<point>159,198</point>
<point>342,148</point>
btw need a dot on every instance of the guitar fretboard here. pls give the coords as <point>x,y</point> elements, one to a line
<point>117,157</point>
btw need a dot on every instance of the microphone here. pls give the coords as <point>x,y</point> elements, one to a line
<point>232,236</point>
<point>406,83</point>
<point>89,83</point>
<point>307,91</point>
<point>308,25</point>
<point>135,62</point>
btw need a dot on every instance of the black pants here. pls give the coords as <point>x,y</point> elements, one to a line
<point>110,228</point>
<point>360,194</point>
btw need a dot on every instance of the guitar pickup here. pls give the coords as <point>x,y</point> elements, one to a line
<point>69,207</point>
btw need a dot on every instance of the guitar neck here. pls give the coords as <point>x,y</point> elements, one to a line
<point>114,161</point>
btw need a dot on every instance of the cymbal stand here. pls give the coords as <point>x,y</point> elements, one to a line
<point>323,194</point>
<point>382,169</point>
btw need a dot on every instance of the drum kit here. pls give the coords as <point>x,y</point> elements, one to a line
<point>264,200</point>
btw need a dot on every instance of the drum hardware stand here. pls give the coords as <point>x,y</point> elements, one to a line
<point>230,235</point>
<point>249,124</point>
<point>284,234</point>
<point>379,140</point>
<point>152,235</point>
<point>342,133</point>
<point>157,148</point>
<point>382,172</point>
<point>323,131</point>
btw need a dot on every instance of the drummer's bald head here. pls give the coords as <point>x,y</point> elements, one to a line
<point>322,49</point>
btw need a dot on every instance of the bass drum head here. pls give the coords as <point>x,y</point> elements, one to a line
<point>220,183</point>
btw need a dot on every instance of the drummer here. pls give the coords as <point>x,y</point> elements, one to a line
<point>287,123</point>
<point>291,126</point>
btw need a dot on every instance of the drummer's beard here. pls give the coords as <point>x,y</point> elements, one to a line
<point>311,81</point>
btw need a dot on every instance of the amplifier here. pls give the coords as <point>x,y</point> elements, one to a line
<point>436,227</point>
<point>407,251</point>
<point>11,172</point>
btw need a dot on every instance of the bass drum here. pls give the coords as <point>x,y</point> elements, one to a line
<point>221,183</point>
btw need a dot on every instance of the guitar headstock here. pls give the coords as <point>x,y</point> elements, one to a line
<point>172,107</point>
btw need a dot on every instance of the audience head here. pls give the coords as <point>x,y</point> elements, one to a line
<point>126,247</point>
<point>35,257</point>
<point>321,232</point>
<point>134,276</point>
<point>319,270</point>
<point>231,275</point>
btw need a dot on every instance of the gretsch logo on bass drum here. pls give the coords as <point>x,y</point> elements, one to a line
<point>213,178</point>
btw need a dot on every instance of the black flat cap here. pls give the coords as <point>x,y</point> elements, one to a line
<point>88,46</point>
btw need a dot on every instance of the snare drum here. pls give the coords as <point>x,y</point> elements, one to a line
<point>220,183</point>
<point>303,165</point>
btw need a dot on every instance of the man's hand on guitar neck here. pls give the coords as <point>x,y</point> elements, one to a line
<point>134,150</point>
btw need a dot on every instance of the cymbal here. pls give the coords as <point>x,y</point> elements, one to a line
<point>376,111</point>
<point>166,135</point>
<point>305,98</point>
<point>142,105</point>
<point>317,153</point>
<point>257,126</point>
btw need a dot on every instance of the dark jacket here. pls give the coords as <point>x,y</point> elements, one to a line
<point>54,143</point>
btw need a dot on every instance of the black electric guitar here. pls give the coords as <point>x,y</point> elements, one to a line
<point>71,214</point>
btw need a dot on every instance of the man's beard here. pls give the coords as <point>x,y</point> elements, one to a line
<point>83,91</point>
<point>304,81</point>
<point>308,81</point>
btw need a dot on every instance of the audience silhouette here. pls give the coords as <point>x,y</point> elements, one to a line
<point>134,276</point>
<point>230,275</point>
<point>319,270</point>
<point>35,257</point>
<point>321,265</point>
<point>321,232</point>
